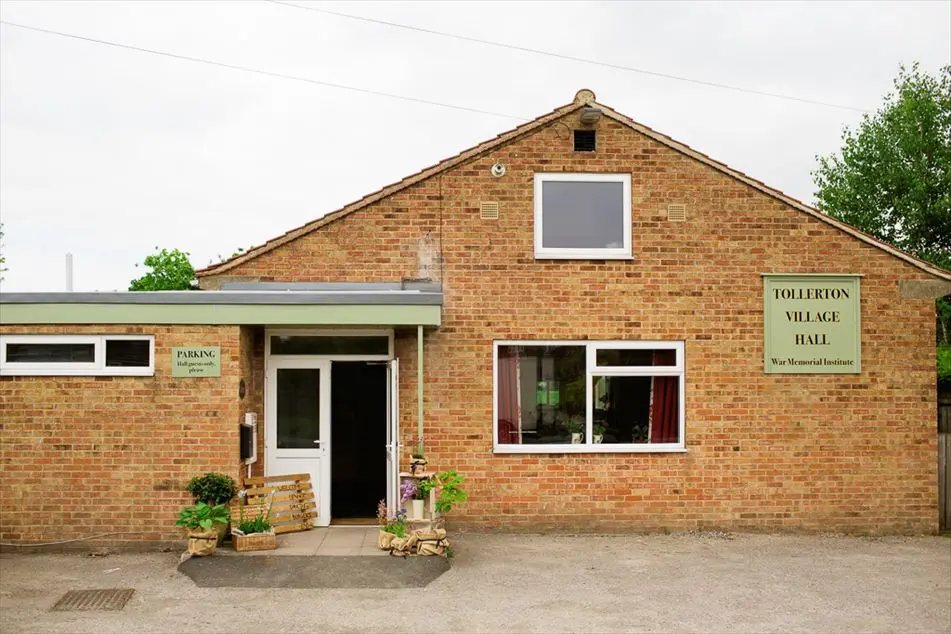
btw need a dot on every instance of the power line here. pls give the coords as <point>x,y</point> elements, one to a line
<point>266,73</point>
<point>535,51</point>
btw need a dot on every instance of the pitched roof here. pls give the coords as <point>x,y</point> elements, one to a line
<point>582,98</point>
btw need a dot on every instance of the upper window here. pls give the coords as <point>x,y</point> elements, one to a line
<point>562,397</point>
<point>583,216</point>
<point>77,355</point>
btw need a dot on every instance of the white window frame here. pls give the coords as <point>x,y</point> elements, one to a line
<point>330,332</point>
<point>593,370</point>
<point>564,253</point>
<point>96,368</point>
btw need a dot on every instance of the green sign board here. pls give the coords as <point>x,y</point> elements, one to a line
<point>812,324</point>
<point>196,361</point>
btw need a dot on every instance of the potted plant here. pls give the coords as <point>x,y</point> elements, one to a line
<point>213,489</point>
<point>254,533</point>
<point>599,430</point>
<point>417,457</point>
<point>410,499</point>
<point>423,489</point>
<point>576,429</point>
<point>390,527</point>
<point>201,522</point>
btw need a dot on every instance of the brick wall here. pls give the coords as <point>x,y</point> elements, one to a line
<point>765,452</point>
<point>83,455</point>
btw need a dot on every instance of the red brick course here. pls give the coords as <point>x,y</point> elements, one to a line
<point>844,452</point>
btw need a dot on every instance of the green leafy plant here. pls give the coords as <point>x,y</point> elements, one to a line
<point>203,516</point>
<point>575,426</point>
<point>424,486</point>
<point>260,524</point>
<point>212,488</point>
<point>599,429</point>
<point>171,271</point>
<point>391,524</point>
<point>944,363</point>
<point>450,493</point>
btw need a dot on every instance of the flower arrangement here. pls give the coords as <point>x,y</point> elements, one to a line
<point>408,491</point>
<point>260,523</point>
<point>392,524</point>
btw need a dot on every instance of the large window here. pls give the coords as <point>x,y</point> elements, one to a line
<point>605,396</point>
<point>583,216</point>
<point>77,355</point>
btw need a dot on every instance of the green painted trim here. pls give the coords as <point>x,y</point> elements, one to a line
<point>419,386</point>
<point>223,314</point>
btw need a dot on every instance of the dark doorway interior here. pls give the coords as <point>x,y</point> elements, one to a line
<point>358,438</point>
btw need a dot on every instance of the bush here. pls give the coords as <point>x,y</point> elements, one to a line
<point>944,363</point>
<point>212,488</point>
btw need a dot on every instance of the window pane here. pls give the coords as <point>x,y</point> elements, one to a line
<point>51,352</point>
<point>582,215</point>
<point>298,408</point>
<point>635,356</point>
<point>127,353</point>
<point>541,394</point>
<point>636,409</point>
<point>294,344</point>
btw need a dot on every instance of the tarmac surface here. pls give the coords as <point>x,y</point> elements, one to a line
<point>528,583</point>
<point>313,572</point>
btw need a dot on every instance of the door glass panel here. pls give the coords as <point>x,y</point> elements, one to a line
<point>298,408</point>
<point>306,344</point>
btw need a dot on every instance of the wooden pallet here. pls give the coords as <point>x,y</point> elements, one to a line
<point>293,505</point>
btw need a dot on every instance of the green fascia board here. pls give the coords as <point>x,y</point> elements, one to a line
<point>222,314</point>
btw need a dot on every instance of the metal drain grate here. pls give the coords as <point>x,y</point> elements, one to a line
<point>114,599</point>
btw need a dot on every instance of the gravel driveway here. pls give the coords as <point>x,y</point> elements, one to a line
<point>519,583</point>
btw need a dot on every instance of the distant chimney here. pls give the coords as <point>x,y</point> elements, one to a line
<point>69,272</point>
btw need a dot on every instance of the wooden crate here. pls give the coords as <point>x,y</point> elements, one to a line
<point>293,505</point>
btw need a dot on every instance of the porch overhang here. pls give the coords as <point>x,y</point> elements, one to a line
<point>397,304</point>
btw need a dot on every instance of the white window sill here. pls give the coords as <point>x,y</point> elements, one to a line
<point>603,448</point>
<point>581,255</point>
<point>72,372</point>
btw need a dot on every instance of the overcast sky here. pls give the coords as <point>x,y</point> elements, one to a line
<point>106,153</point>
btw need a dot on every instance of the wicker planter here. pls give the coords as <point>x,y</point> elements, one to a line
<point>254,541</point>
<point>201,543</point>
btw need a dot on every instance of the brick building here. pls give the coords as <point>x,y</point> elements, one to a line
<point>599,327</point>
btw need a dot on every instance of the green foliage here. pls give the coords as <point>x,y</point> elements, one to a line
<point>203,516</point>
<point>599,429</point>
<point>424,486</point>
<point>212,488</point>
<point>397,527</point>
<point>893,177</point>
<point>260,524</point>
<point>575,425</point>
<point>944,363</point>
<point>450,493</point>
<point>171,271</point>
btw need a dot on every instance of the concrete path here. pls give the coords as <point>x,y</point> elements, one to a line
<point>336,541</point>
<point>684,583</point>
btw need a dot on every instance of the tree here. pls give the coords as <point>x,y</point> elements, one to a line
<point>892,178</point>
<point>171,271</point>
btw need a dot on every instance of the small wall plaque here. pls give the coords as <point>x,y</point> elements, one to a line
<point>196,361</point>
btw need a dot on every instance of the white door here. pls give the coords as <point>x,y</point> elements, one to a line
<point>297,433</point>
<point>393,438</point>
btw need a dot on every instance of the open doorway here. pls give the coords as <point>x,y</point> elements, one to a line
<point>358,405</point>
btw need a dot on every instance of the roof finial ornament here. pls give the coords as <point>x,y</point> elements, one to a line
<point>585,96</point>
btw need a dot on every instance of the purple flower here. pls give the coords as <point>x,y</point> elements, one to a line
<point>407,491</point>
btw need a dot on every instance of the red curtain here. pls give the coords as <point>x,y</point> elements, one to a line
<point>508,399</point>
<point>665,423</point>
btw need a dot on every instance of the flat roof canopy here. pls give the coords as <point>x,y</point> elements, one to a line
<point>278,304</point>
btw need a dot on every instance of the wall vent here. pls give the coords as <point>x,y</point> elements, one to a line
<point>489,210</point>
<point>585,141</point>
<point>676,212</point>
